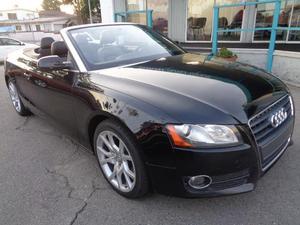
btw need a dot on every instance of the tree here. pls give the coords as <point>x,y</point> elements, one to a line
<point>82,9</point>
<point>95,8</point>
<point>51,4</point>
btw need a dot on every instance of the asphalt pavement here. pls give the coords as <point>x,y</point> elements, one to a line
<point>46,178</point>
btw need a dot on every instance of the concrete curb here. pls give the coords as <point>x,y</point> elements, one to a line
<point>290,83</point>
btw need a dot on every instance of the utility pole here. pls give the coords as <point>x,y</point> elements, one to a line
<point>90,12</point>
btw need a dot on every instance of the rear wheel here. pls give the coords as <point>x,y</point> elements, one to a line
<point>119,159</point>
<point>16,101</point>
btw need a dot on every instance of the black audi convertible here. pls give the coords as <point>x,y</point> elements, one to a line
<point>156,117</point>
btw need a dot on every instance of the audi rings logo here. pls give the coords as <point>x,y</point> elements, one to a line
<point>278,117</point>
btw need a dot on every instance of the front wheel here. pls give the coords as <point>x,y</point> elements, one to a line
<point>16,101</point>
<point>120,160</point>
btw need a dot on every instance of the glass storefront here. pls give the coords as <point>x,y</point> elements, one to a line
<point>159,16</point>
<point>289,17</point>
<point>136,5</point>
<point>295,22</point>
<point>200,19</point>
<point>264,18</point>
<point>230,18</point>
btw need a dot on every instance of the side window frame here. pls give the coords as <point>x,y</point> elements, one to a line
<point>8,40</point>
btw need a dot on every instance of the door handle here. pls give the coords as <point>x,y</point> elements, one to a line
<point>27,75</point>
<point>40,83</point>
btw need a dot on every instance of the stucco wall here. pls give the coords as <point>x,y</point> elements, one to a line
<point>286,65</point>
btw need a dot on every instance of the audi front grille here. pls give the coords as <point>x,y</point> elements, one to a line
<point>272,129</point>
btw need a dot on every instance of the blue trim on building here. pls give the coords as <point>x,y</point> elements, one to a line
<point>273,29</point>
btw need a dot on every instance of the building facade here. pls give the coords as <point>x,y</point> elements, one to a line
<point>24,20</point>
<point>190,21</point>
<point>18,14</point>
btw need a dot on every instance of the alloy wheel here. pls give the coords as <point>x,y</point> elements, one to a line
<point>116,161</point>
<point>14,95</point>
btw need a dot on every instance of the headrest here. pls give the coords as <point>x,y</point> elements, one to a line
<point>107,38</point>
<point>59,48</point>
<point>81,38</point>
<point>46,42</point>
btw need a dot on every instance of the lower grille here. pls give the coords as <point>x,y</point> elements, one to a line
<point>230,180</point>
<point>272,134</point>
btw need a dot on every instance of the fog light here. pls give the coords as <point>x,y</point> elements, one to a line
<point>200,182</point>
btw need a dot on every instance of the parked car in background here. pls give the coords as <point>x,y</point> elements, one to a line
<point>156,116</point>
<point>8,45</point>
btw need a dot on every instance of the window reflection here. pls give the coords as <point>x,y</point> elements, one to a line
<point>264,18</point>
<point>136,5</point>
<point>295,22</point>
<point>230,18</point>
<point>200,20</point>
<point>160,15</point>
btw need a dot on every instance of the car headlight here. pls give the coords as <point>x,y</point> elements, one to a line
<point>203,135</point>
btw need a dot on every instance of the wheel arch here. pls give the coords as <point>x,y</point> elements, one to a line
<point>6,80</point>
<point>98,118</point>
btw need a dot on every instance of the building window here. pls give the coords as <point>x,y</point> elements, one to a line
<point>38,27</point>
<point>264,18</point>
<point>58,27</point>
<point>18,28</point>
<point>160,15</point>
<point>136,5</point>
<point>200,20</point>
<point>295,22</point>
<point>230,18</point>
<point>47,27</point>
<point>289,17</point>
<point>1,14</point>
<point>12,16</point>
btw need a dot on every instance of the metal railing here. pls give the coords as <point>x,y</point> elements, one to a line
<point>273,29</point>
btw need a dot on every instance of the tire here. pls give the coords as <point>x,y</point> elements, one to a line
<point>119,160</point>
<point>16,100</point>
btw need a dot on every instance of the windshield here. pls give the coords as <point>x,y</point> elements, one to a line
<point>108,46</point>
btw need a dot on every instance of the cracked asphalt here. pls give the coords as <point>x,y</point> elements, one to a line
<point>45,178</point>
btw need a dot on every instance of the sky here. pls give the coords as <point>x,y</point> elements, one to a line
<point>29,4</point>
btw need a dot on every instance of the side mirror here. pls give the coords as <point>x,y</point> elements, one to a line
<point>53,62</point>
<point>22,43</point>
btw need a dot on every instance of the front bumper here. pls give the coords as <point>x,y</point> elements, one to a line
<point>233,170</point>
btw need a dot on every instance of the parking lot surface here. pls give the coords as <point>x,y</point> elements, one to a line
<point>45,178</point>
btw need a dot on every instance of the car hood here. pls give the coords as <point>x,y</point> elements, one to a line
<point>194,89</point>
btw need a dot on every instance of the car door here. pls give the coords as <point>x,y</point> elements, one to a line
<point>50,94</point>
